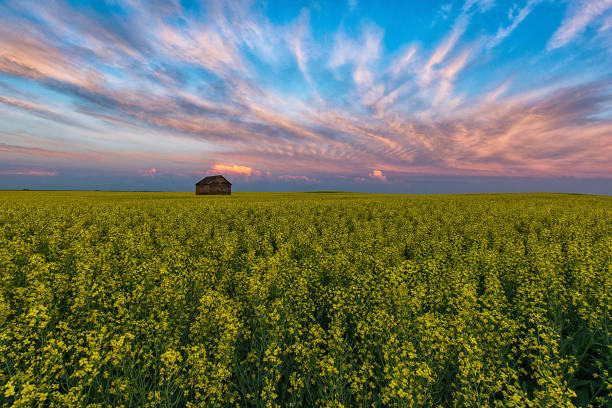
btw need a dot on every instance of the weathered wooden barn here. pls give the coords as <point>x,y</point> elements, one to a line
<point>213,185</point>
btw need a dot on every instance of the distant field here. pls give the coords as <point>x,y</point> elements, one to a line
<point>305,299</point>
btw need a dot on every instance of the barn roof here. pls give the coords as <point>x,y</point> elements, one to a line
<point>218,179</point>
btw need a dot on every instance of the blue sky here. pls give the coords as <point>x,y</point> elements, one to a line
<point>463,96</point>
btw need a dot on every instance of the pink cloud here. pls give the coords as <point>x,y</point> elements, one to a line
<point>377,174</point>
<point>148,172</point>
<point>4,148</point>
<point>28,173</point>
<point>234,169</point>
<point>26,54</point>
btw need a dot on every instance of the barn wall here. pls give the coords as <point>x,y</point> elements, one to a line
<point>209,189</point>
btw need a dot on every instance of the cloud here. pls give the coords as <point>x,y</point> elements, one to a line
<point>404,59</point>
<point>148,172</point>
<point>232,169</point>
<point>34,151</point>
<point>233,86</point>
<point>378,174</point>
<point>27,53</point>
<point>41,111</point>
<point>517,19</point>
<point>361,53</point>
<point>501,137</point>
<point>202,46</point>
<point>444,48</point>
<point>607,24</point>
<point>581,15</point>
<point>28,173</point>
<point>297,41</point>
<point>483,5</point>
<point>297,178</point>
<point>445,10</point>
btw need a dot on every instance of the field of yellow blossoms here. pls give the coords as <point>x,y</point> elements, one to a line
<point>304,299</point>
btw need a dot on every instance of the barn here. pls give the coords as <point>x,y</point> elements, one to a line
<point>213,185</point>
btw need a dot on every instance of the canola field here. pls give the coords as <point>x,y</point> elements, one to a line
<point>304,300</point>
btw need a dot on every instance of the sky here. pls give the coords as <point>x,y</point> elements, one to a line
<point>403,97</point>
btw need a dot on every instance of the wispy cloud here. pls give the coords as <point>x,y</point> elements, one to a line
<point>482,5</point>
<point>361,53</point>
<point>297,39</point>
<point>581,14</point>
<point>445,10</point>
<point>444,48</point>
<point>44,173</point>
<point>24,150</point>
<point>517,19</point>
<point>403,61</point>
<point>232,90</point>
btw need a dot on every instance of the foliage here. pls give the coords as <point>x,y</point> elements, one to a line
<point>331,300</point>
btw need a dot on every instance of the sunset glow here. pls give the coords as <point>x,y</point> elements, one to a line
<point>322,95</point>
